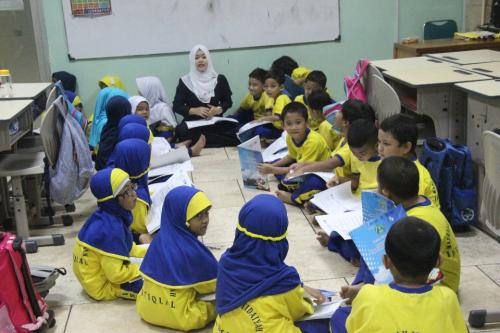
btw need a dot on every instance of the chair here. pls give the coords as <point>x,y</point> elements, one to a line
<point>367,81</point>
<point>440,29</point>
<point>19,165</point>
<point>383,99</point>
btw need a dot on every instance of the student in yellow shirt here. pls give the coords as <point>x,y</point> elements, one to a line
<point>178,267</point>
<point>303,145</point>
<point>256,291</point>
<point>299,75</point>
<point>408,304</point>
<point>253,105</point>
<point>398,179</point>
<point>317,101</point>
<point>273,86</point>
<point>104,245</point>
<point>397,136</point>
<point>134,156</point>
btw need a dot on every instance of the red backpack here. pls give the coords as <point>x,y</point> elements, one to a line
<point>22,309</point>
<point>353,87</point>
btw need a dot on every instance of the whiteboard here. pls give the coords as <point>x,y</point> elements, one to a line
<point>169,26</point>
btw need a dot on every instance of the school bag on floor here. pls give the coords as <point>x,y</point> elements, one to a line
<point>22,309</point>
<point>451,169</point>
<point>353,87</point>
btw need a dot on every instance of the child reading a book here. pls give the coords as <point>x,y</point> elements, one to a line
<point>104,245</point>
<point>256,291</point>
<point>253,105</point>
<point>178,267</point>
<point>303,145</point>
<point>397,136</point>
<point>273,86</point>
<point>408,304</point>
<point>317,101</point>
<point>398,179</point>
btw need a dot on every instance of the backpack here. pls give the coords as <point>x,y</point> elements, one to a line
<point>22,309</point>
<point>451,168</point>
<point>353,87</point>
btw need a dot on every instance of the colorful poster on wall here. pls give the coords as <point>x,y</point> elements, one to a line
<point>90,8</point>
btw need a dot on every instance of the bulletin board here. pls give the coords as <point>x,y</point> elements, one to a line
<point>132,27</point>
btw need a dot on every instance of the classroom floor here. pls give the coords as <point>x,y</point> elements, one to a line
<point>217,172</point>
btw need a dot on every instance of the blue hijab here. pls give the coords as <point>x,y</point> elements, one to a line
<point>117,108</point>
<point>176,257</point>
<point>254,266</point>
<point>133,156</point>
<point>131,119</point>
<point>134,131</point>
<point>107,229</point>
<point>100,116</point>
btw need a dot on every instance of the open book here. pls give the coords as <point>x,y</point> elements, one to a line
<point>326,176</point>
<point>337,199</point>
<point>207,122</point>
<point>277,150</point>
<point>250,157</point>
<point>158,193</point>
<point>247,131</point>
<point>326,309</point>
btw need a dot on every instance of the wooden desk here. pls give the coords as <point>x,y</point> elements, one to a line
<point>409,63</point>
<point>19,111</point>
<point>468,57</point>
<point>491,69</point>
<point>430,92</point>
<point>442,45</point>
<point>28,90</point>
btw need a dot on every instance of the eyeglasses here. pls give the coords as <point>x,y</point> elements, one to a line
<point>130,191</point>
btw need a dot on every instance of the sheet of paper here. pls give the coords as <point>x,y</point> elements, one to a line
<point>322,311</point>
<point>251,125</point>
<point>159,192</point>
<point>170,169</point>
<point>342,223</point>
<point>160,146</point>
<point>207,122</point>
<point>276,150</point>
<point>206,297</point>
<point>337,199</point>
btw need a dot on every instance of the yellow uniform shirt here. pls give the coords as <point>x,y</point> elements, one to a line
<point>258,106</point>
<point>176,308</point>
<point>343,153</point>
<point>331,137</point>
<point>450,256</point>
<point>313,148</point>
<point>274,313</point>
<point>277,108</point>
<point>101,273</point>
<point>382,309</point>
<point>367,171</point>
<point>312,121</point>
<point>140,216</point>
<point>426,186</point>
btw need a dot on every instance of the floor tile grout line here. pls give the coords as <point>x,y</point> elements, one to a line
<point>67,319</point>
<point>241,191</point>
<point>489,277</point>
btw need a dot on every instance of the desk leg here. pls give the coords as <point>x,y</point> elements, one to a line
<point>22,228</point>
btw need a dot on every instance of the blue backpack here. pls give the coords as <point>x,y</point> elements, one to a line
<point>451,168</point>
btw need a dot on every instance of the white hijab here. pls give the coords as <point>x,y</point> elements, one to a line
<point>202,84</point>
<point>160,107</point>
<point>135,101</point>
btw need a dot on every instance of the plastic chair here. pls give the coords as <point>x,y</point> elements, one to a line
<point>383,99</point>
<point>440,29</point>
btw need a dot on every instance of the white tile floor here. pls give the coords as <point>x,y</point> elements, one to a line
<point>217,172</point>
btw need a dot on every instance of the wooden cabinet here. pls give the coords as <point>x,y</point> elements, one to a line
<point>442,45</point>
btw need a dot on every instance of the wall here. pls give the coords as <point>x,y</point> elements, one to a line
<point>367,30</point>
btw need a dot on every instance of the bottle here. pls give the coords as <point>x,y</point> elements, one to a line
<point>5,83</point>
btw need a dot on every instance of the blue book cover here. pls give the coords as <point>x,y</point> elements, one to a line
<point>374,205</point>
<point>370,241</point>
<point>250,157</point>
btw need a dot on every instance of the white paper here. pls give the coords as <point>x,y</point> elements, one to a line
<point>206,297</point>
<point>135,260</point>
<point>337,199</point>
<point>158,193</point>
<point>322,311</point>
<point>277,150</point>
<point>159,146</point>
<point>342,223</point>
<point>250,125</point>
<point>207,122</point>
<point>170,169</point>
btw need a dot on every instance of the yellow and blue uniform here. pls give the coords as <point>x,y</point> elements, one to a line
<point>343,153</point>
<point>256,291</point>
<point>367,171</point>
<point>277,109</point>
<point>104,245</point>
<point>332,139</point>
<point>133,156</point>
<point>178,267</point>
<point>426,186</point>
<point>450,256</point>
<point>257,106</point>
<point>393,308</point>
<point>312,149</point>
